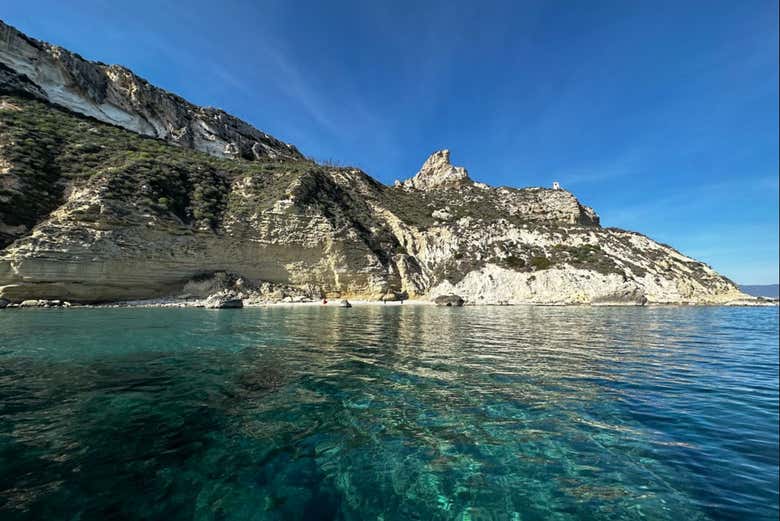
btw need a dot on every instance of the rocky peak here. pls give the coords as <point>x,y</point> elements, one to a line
<point>438,172</point>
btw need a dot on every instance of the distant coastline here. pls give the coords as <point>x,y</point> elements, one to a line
<point>761,290</point>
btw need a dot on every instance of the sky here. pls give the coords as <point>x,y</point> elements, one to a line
<point>663,116</point>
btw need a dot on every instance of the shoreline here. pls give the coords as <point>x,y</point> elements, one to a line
<point>336,303</point>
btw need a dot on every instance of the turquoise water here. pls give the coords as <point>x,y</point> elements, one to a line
<point>389,413</point>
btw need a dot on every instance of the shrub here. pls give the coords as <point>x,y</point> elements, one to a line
<point>540,263</point>
<point>515,263</point>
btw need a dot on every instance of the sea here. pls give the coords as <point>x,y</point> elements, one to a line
<point>383,413</point>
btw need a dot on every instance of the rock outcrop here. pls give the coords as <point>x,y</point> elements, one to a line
<point>90,212</point>
<point>223,301</point>
<point>35,303</point>
<point>113,94</point>
<point>438,172</point>
<point>449,300</point>
<point>627,295</point>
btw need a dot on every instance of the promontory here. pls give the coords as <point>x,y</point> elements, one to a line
<point>113,189</point>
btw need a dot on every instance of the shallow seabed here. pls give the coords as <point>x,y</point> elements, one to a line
<point>389,413</point>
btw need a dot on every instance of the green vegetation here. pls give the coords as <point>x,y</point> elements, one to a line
<point>416,207</point>
<point>585,256</point>
<point>540,263</point>
<point>48,148</point>
<point>515,263</point>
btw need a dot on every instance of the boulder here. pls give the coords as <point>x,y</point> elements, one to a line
<point>41,303</point>
<point>223,302</point>
<point>448,300</point>
<point>344,303</point>
<point>4,303</point>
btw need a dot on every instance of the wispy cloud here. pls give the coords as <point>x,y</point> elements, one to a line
<point>626,164</point>
<point>293,83</point>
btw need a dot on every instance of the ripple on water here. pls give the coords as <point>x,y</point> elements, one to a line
<point>389,413</point>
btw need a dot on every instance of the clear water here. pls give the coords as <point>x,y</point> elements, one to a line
<point>389,413</point>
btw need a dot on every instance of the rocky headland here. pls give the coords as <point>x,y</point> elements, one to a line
<point>112,189</point>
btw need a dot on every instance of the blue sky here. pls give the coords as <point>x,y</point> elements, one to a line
<point>663,116</point>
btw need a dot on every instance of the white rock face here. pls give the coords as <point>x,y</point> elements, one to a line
<point>113,94</point>
<point>494,285</point>
<point>438,172</point>
<point>618,268</point>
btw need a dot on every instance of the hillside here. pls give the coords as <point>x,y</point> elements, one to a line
<point>93,210</point>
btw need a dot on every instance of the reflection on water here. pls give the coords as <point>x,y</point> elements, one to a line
<point>387,413</point>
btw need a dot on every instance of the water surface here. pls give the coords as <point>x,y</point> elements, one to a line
<point>389,413</point>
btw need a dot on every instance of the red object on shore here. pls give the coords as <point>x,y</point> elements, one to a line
<point>324,301</point>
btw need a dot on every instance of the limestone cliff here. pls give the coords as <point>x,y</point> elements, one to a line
<point>93,212</point>
<point>113,94</point>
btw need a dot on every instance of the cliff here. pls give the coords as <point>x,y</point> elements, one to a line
<point>113,94</point>
<point>96,207</point>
